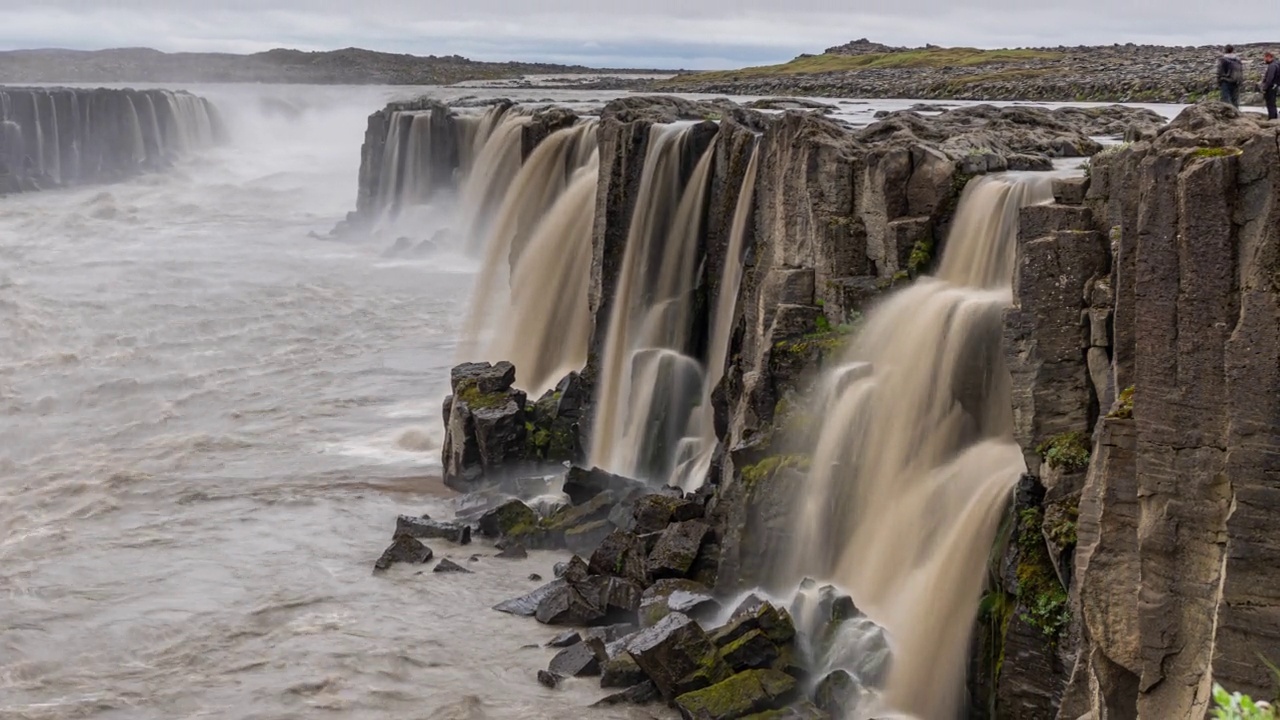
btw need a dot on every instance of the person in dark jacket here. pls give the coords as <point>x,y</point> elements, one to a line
<point>1270,83</point>
<point>1230,70</point>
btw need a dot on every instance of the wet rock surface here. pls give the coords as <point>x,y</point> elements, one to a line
<point>403,549</point>
<point>423,527</point>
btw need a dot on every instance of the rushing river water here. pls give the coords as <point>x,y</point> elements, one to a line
<point>208,421</point>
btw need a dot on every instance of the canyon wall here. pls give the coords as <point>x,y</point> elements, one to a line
<point>53,137</point>
<point>1132,565</point>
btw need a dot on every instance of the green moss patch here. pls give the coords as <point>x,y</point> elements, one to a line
<point>1068,451</point>
<point>769,466</point>
<point>476,400</point>
<point>1124,408</point>
<point>1039,593</point>
<point>1216,152</point>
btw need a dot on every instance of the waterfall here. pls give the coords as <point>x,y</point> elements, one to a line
<point>498,158</point>
<point>648,382</point>
<point>61,136</point>
<point>695,451</point>
<point>542,232</point>
<point>915,460</point>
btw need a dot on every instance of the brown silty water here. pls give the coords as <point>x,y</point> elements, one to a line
<point>915,460</point>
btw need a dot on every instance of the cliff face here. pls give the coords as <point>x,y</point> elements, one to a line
<point>53,137</point>
<point>1132,569</point>
<point>1149,329</point>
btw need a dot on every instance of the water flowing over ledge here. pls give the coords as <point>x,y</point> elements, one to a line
<point>826,337</point>
<point>51,137</point>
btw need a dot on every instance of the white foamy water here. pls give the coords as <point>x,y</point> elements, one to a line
<point>208,422</point>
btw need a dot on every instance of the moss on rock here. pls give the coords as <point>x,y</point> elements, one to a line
<point>1041,596</point>
<point>1067,451</point>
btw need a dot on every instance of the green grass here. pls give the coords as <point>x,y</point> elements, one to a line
<point>919,58</point>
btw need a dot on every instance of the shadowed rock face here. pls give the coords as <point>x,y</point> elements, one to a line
<point>1172,585</point>
<point>52,137</point>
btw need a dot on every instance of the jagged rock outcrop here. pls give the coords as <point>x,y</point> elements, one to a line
<point>53,137</point>
<point>1170,583</point>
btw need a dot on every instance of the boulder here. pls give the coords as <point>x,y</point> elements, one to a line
<point>527,605</point>
<point>776,625</point>
<point>621,672</point>
<point>803,710</point>
<point>403,549</point>
<point>565,639</point>
<point>654,512</point>
<point>484,424</point>
<point>513,551</point>
<point>836,694</point>
<point>611,633</point>
<point>741,695</point>
<point>511,516</point>
<point>424,527</point>
<point>585,537</point>
<point>580,660</point>
<point>677,549</point>
<point>449,566</point>
<point>677,656</point>
<point>548,679</point>
<point>752,651</point>
<point>623,555</point>
<point>675,595</point>
<point>641,694</point>
<point>581,485</point>
<point>586,599</point>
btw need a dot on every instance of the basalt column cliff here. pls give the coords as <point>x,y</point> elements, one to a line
<point>992,443</point>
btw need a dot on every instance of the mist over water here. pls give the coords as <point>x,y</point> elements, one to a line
<point>209,421</point>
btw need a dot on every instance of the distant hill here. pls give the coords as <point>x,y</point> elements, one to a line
<point>349,66</point>
<point>866,69</point>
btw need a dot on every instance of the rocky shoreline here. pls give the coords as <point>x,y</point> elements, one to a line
<point>1136,558</point>
<point>1115,73</point>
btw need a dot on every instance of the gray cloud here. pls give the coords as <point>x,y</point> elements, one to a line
<point>654,33</point>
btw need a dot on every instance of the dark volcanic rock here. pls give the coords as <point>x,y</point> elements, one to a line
<point>776,625</point>
<point>427,528</point>
<point>449,566</point>
<point>752,651</point>
<point>565,639</point>
<point>677,656</point>
<point>514,551</point>
<point>581,485</point>
<point>512,515</point>
<point>579,660</point>
<point>403,549</point>
<point>484,424</point>
<point>677,549</point>
<point>527,605</point>
<point>641,694</point>
<point>675,595</point>
<point>836,694</point>
<point>621,672</point>
<point>623,555</point>
<point>654,512</point>
<point>741,695</point>
<point>548,679</point>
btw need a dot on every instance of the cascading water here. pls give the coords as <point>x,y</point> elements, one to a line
<point>695,451</point>
<point>498,158</point>
<point>542,232</point>
<point>915,461</point>
<point>648,381</point>
<point>62,136</point>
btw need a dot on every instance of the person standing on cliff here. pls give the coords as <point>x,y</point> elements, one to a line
<point>1230,75</point>
<point>1270,83</point>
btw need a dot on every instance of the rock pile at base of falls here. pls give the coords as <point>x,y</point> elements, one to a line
<point>655,629</point>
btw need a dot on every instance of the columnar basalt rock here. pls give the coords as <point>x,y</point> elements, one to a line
<point>1169,588</point>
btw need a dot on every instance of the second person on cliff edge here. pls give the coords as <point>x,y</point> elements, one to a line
<point>1270,83</point>
<point>1230,75</point>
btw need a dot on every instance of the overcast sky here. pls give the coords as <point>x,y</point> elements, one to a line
<point>608,33</point>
